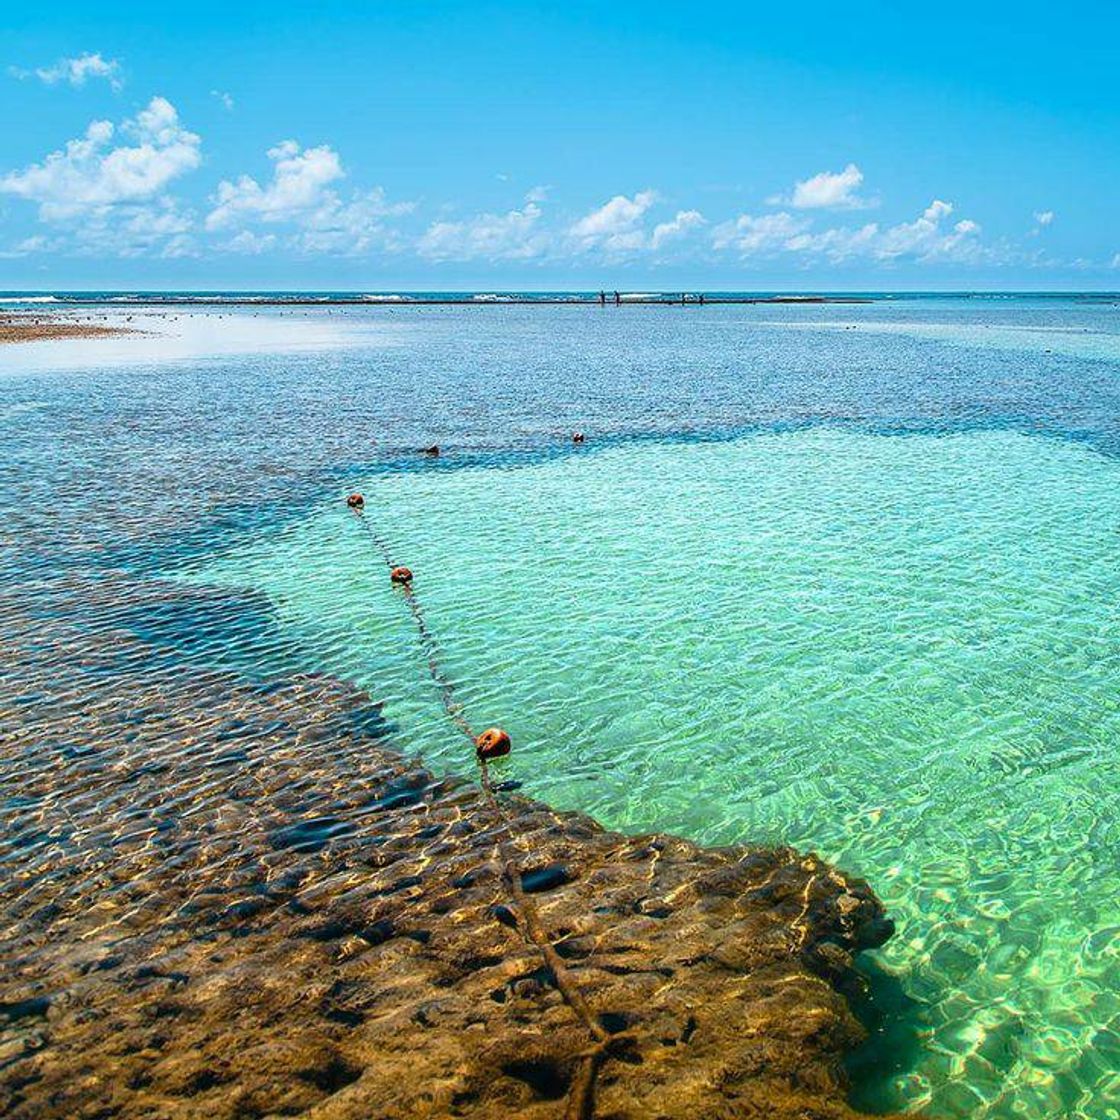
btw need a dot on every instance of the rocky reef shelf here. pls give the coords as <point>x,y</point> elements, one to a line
<point>233,898</point>
<point>27,326</point>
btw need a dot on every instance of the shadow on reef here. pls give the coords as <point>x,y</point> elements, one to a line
<point>895,1025</point>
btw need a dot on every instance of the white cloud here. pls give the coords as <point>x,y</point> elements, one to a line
<point>837,244</point>
<point>515,235</point>
<point>613,223</point>
<point>617,227</point>
<point>299,182</point>
<point>26,247</point>
<point>538,194</point>
<point>92,173</point>
<point>351,227</point>
<point>301,194</point>
<point>683,223</point>
<point>1115,262</point>
<point>758,235</point>
<point>77,71</point>
<point>827,190</point>
<point>521,234</point>
<point>225,98</point>
<point>156,228</point>
<point>927,238</point>
<point>246,241</point>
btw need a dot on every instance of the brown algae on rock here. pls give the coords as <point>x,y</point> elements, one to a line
<point>233,899</point>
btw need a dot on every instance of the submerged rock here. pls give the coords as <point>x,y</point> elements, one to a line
<point>314,924</point>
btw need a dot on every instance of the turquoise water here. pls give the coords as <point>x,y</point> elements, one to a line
<point>900,651</point>
<point>844,578</point>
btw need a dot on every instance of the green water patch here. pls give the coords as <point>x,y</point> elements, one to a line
<point>902,652</point>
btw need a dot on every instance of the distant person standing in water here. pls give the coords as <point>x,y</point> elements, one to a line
<point>602,298</point>
<point>617,299</point>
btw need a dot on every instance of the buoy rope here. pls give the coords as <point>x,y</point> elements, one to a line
<point>581,1094</point>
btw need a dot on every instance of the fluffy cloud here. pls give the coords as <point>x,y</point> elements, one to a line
<point>155,229</point>
<point>827,190</point>
<point>298,187</point>
<point>94,173</point>
<point>758,235</point>
<point>301,194</point>
<point>683,223</point>
<point>615,227</point>
<point>351,227</point>
<point>618,226</point>
<point>928,238</point>
<point>225,98</point>
<point>77,71</point>
<point>614,224</point>
<point>250,243</point>
<point>515,235</point>
<point>837,244</point>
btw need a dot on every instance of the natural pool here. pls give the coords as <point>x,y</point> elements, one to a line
<point>842,578</point>
<point>901,651</point>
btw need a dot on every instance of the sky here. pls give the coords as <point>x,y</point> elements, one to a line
<point>452,146</point>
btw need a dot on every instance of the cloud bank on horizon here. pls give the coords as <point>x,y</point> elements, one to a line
<point>111,190</point>
<point>143,184</point>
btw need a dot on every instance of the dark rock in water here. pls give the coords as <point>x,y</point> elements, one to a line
<point>25,1008</point>
<point>544,878</point>
<point>327,929</point>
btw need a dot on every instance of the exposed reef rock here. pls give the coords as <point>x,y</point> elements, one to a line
<point>232,900</point>
<point>27,326</point>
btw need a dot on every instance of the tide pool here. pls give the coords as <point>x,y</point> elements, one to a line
<point>899,651</point>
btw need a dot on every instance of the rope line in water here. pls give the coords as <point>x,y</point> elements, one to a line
<point>581,1094</point>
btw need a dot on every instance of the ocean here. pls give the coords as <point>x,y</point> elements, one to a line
<point>842,576</point>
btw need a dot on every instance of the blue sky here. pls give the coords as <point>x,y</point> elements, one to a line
<point>664,146</point>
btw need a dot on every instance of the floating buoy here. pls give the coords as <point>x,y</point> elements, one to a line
<point>401,575</point>
<point>433,451</point>
<point>577,437</point>
<point>492,743</point>
<point>355,501</point>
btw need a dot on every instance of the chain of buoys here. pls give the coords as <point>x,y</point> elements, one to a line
<point>491,744</point>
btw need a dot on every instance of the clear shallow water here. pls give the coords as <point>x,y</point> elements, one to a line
<point>900,651</point>
<point>851,589</point>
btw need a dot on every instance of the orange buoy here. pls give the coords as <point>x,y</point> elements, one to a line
<point>355,501</point>
<point>492,743</point>
<point>577,437</point>
<point>401,575</point>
